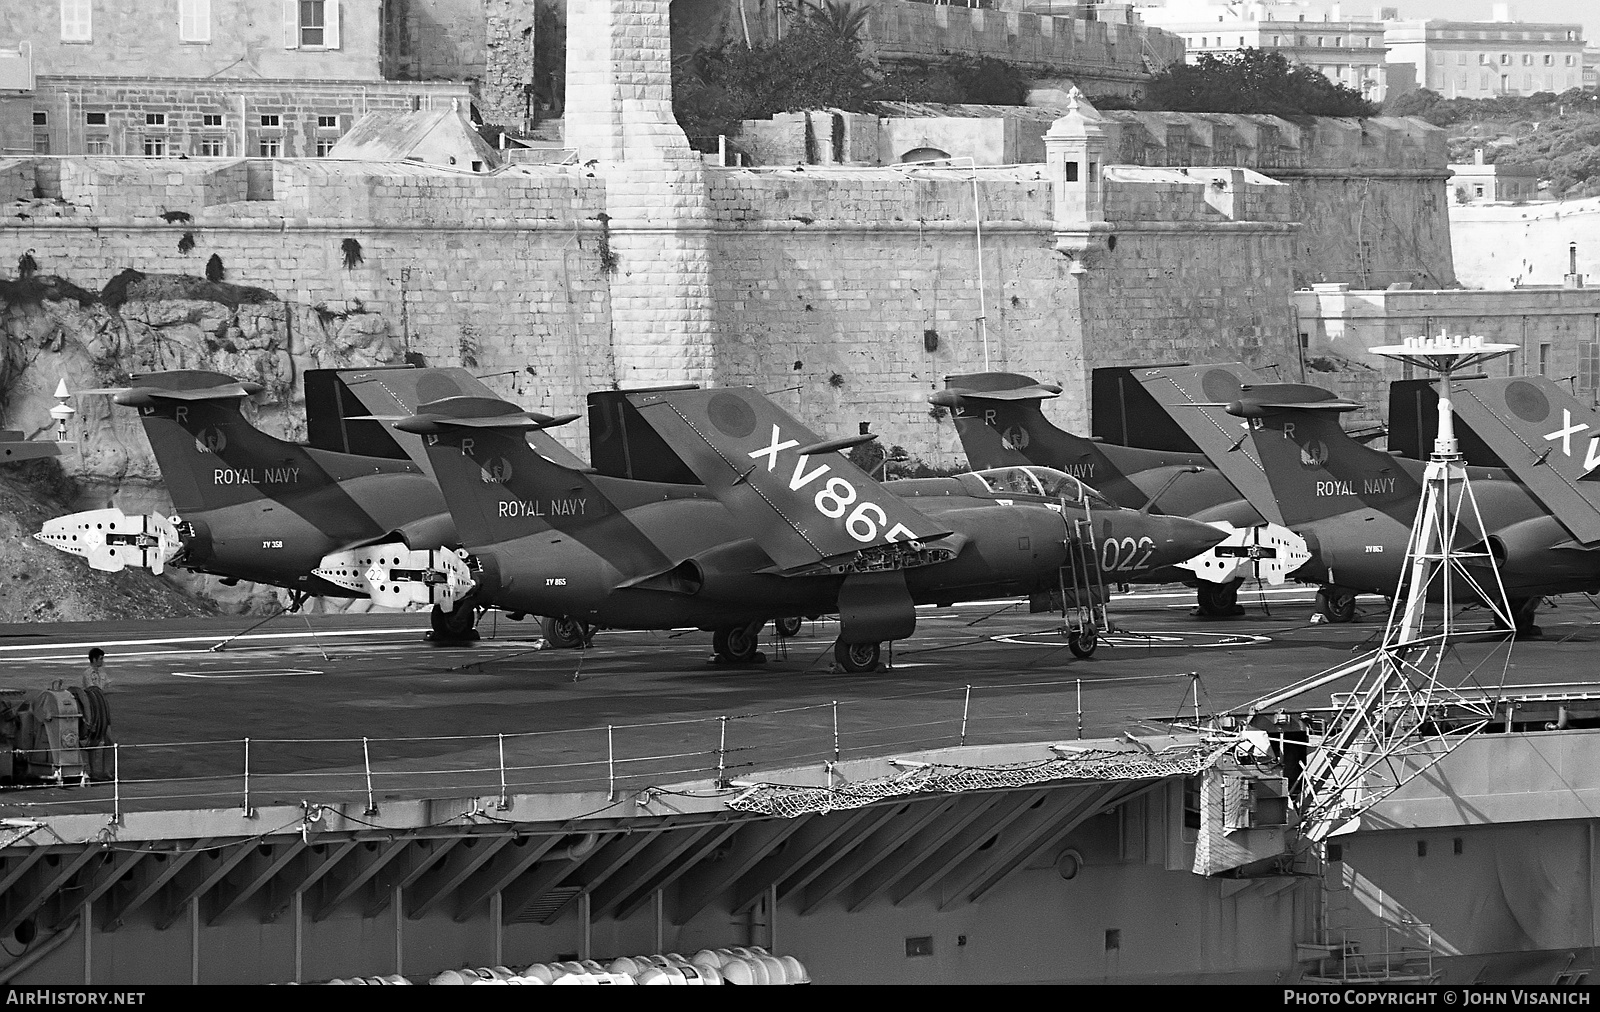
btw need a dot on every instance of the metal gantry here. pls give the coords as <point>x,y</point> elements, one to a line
<point>1409,710</point>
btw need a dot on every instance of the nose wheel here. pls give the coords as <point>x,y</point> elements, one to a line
<point>857,658</point>
<point>788,627</point>
<point>1082,644</point>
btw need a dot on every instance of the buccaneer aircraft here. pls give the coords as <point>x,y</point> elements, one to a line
<point>1000,420</point>
<point>250,506</point>
<point>1283,446</point>
<point>790,527</point>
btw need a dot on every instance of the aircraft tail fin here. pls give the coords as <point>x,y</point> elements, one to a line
<point>1000,421</point>
<point>499,489</point>
<point>802,501</point>
<point>210,455</point>
<point>1547,438</point>
<point>1281,444</point>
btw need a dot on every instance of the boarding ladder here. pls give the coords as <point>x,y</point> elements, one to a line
<point>1082,584</point>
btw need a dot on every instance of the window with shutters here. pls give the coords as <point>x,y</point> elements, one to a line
<point>311,24</point>
<point>77,21</point>
<point>211,147</point>
<point>1589,366</point>
<point>194,20</point>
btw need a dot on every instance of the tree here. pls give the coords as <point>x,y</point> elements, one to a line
<point>1252,81</point>
<point>838,19</point>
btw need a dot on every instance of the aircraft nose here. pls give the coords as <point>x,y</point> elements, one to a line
<point>1182,539</point>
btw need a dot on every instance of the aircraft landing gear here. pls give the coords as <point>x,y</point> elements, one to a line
<point>1335,604</point>
<point>788,627</point>
<point>737,644</point>
<point>1219,600</point>
<point>1523,610</point>
<point>1082,644</point>
<point>459,625</point>
<point>857,658</point>
<point>566,633</point>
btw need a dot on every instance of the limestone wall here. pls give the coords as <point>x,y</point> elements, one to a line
<point>859,287</point>
<point>1557,332</point>
<point>1102,57</point>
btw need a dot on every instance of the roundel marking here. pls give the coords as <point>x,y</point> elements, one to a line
<point>731,415</point>
<point>1527,401</point>
<point>1220,385</point>
<point>434,387</point>
<point>1314,454</point>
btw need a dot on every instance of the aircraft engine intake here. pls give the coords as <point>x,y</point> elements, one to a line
<point>111,540</point>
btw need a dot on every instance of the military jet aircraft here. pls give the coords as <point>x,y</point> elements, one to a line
<point>1283,446</point>
<point>1000,421</point>
<point>254,507</point>
<point>790,527</point>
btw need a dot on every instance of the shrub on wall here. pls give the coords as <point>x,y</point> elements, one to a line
<point>1251,81</point>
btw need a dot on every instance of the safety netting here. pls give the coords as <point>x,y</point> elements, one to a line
<point>1088,765</point>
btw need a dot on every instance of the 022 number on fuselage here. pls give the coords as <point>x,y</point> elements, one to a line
<point>1125,555</point>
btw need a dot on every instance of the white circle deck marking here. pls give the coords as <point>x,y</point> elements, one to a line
<point>237,673</point>
<point>1150,640</point>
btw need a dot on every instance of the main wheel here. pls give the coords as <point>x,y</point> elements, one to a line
<point>857,657</point>
<point>1083,644</point>
<point>1523,612</point>
<point>564,632</point>
<point>788,627</point>
<point>1336,604</point>
<point>457,624</point>
<point>737,644</point>
<point>1219,600</point>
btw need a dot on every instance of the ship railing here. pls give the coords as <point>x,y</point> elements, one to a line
<point>1397,953</point>
<point>619,759</point>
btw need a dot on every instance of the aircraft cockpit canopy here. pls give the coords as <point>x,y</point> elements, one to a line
<point>1046,482</point>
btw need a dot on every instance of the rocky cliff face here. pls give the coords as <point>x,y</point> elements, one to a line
<point>54,330</point>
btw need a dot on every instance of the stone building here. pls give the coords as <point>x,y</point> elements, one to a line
<point>1481,59</point>
<point>249,78</point>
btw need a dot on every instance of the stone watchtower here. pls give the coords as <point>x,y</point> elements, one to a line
<point>619,117</point>
<point>1075,152</point>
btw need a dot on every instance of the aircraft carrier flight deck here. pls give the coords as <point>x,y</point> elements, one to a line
<point>343,709</point>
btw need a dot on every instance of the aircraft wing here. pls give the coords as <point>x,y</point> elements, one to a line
<point>1547,438</point>
<point>1196,398</point>
<point>801,502</point>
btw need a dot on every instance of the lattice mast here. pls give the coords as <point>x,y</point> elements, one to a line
<point>1392,727</point>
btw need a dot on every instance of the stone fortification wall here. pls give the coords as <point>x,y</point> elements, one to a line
<point>1557,332</point>
<point>1370,193</point>
<point>860,287</point>
<point>1197,271</point>
<point>854,292</point>
<point>501,274</point>
<point>1134,196</point>
<point>1102,57</point>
